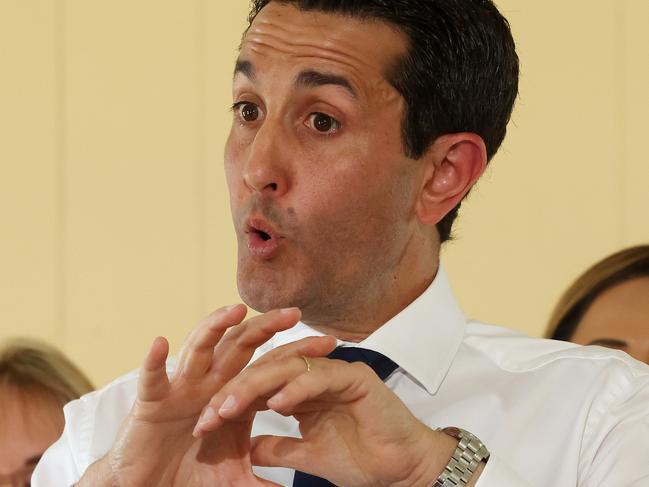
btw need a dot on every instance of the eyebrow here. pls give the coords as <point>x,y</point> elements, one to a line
<point>246,68</point>
<point>306,79</point>
<point>313,79</point>
<point>609,342</point>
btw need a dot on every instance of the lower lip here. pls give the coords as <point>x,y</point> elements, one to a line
<point>262,249</point>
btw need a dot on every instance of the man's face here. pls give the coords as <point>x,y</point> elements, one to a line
<point>321,191</point>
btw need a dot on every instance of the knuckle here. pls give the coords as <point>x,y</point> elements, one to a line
<point>252,368</point>
<point>246,381</point>
<point>244,339</point>
<point>233,333</point>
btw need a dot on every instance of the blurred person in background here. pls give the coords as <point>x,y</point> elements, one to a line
<point>608,305</point>
<point>36,381</point>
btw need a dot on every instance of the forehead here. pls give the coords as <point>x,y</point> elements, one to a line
<point>29,423</point>
<point>362,49</point>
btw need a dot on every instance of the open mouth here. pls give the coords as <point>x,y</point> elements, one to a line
<point>263,235</point>
<point>263,241</point>
<point>260,230</point>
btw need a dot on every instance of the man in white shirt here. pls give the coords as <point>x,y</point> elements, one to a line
<point>359,126</point>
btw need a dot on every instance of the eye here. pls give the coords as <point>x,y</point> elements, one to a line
<point>323,123</point>
<point>247,111</point>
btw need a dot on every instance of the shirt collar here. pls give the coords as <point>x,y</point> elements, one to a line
<point>422,339</point>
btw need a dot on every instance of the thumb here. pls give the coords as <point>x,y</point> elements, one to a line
<point>280,451</point>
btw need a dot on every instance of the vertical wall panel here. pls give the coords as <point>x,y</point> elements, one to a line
<point>636,108</point>
<point>30,217</point>
<point>132,177</point>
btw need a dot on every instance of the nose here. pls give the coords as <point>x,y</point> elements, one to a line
<point>267,168</point>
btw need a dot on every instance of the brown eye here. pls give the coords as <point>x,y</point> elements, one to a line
<point>249,112</point>
<point>324,123</point>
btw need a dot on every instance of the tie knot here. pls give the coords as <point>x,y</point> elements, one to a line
<point>379,363</point>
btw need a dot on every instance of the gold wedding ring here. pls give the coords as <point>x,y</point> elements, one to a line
<point>307,362</point>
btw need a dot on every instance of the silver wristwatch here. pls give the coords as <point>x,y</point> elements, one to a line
<point>466,458</point>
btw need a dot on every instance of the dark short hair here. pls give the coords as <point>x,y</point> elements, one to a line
<point>460,73</point>
<point>623,266</point>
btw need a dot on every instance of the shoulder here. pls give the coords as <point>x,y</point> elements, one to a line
<point>596,387</point>
<point>515,352</point>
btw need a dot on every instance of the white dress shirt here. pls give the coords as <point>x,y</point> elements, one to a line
<point>551,413</point>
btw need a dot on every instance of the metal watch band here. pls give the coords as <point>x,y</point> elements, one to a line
<point>469,453</point>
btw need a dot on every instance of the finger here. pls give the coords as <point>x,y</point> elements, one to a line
<point>238,399</point>
<point>227,454</point>
<point>236,349</point>
<point>279,451</point>
<point>197,352</point>
<point>261,380</point>
<point>331,380</point>
<point>153,382</point>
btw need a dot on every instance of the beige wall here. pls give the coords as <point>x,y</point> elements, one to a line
<point>113,208</point>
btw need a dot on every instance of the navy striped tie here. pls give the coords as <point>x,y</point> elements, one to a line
<point>380,364</point>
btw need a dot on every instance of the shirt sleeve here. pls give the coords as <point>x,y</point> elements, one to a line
<point>91,425</point>
<point>615,441</point>
<point>498,474</point>
<point>58,466</point>
<point>617,437</point>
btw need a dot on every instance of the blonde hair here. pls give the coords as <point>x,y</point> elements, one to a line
<point>620,267</point>
<point>31,366</point>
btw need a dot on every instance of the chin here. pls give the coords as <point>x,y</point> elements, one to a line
<point>262,296</point>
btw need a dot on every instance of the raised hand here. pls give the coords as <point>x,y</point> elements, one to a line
<point>355,431</point>
<point>155,446</point>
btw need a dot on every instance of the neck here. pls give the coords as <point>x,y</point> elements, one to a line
<point>360,321</point>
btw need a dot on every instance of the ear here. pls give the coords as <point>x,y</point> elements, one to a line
<point>451,167</point>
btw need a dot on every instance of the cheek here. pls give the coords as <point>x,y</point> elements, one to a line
<point>231,167</point>
<point>363,181</point>
<point>354,212</point>
<point>229,156</point>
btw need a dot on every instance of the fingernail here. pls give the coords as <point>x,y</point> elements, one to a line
<point>197,432</point>
<point>276,400</point>
<point>207,415</point>
<point>287,311</point>
<point>229,403</point>
<point>231,307</point>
